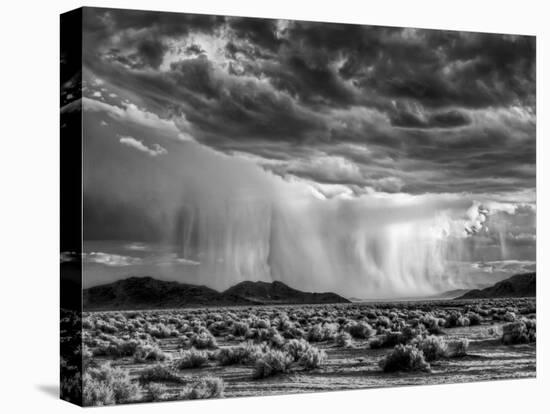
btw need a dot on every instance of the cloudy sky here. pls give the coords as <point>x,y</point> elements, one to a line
<point>242,143</point>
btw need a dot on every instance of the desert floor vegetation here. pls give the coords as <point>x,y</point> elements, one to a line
<point>262,350</point>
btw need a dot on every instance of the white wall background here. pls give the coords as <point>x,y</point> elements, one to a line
<point>29,194</point>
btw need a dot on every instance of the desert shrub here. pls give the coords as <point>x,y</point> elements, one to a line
<point>156,392</point>
<point>330,329</point>
<point>196,323</point>
<point>433,347</point>
<point>293,333</point>
<point>409,333</point>
<point>404,358</point>
<point>184,328</point>
<point>457,348</point>
<point>283,323</point>
<point>509,317</point>
<point>86,356</point>
<point>475,318</point>
<point>206,387</point>
<point>341,320</point>
<point>415,322</point>
<point>312,358</point>
<point>304,353</point>
<point>463,321</point>
<point>259,335</point>
<point>96,392</point>
<point>494,331</point>
<point>71,386</point>
<point>315,333</point>
<point>361,330</point>
<point>160,373</point>
<point>272,362</point>
<point>240,329</point>
<point>216,327</point>
<point>218,316</point>
<point>105,327</point>
<point>529,308</point>
<point>203,340</point>
<point>251,334</point>
<point>143,336</point>
<point>377,343</point>
<point>343,339</point>
<point>387,340</point>
<point>117,348</point>
<point>519,332</point>
<point>261,324</point>
<point>399,324</point>
<point>149,352</point>
<point>431,323</point>
<point>371,314</point>
<point>106,385</point>
<point>87,323</point>
<point>162,331</point>
<point>129,347</point>
<point>191,358</point>
<point>275,338</point>
<point>322,332</point>
<point>296,348</point>
<point>530,324</point>
<point>242,354</point>
<point>452,319</point>
<point>383,321</point>
<point>495,312</point>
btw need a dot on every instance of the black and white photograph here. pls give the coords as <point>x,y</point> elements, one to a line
<point>273,206</point>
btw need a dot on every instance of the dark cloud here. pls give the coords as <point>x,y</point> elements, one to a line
<point>444,119</point>
<point>194,49</point>
<point>152,51</point>
<point>260,32</point>
<point>425,110</point>
<point>309,82</point>
<point>105,22</point>
<point>449,119</point>
<point>197,75</point>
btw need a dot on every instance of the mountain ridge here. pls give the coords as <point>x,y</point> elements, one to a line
<point>520,285</point>
<point>145,292</point>
<point>277,291</point>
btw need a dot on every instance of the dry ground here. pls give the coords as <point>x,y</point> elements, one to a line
<point>344,368</point>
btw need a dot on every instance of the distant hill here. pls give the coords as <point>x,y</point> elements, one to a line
<point>148,293</point>
<point>522,285</point>
<point>278,292</point>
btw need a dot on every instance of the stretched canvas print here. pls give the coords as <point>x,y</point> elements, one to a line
<point>255,206</point>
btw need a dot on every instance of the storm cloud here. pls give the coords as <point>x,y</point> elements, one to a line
<point>342,111</point>
<point>446,103</point>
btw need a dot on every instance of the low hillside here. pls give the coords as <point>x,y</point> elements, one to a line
<point>149,293</point>
<point>522,285</point>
